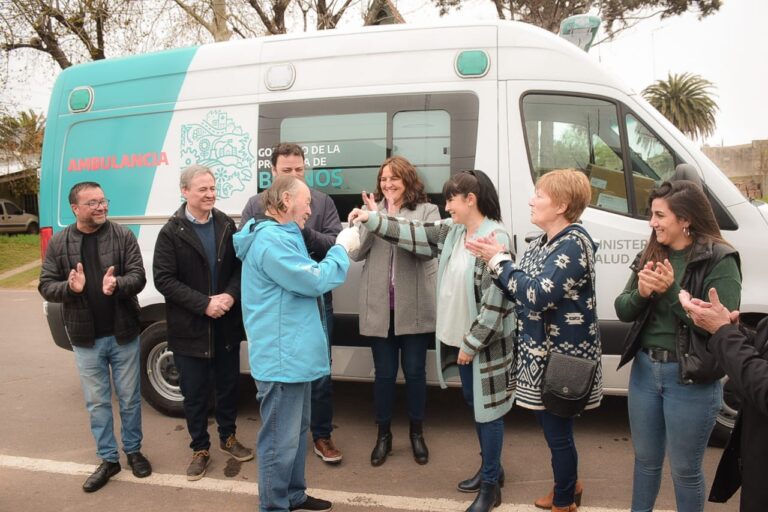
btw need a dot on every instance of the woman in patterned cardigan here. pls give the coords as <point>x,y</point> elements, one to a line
<point>475,322</point>
<point>553,287</point>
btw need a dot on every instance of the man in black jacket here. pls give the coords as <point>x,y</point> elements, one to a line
<point>743,354</point>
<point>94,268</point>
<point>319,235</point>
<point>196,270</point>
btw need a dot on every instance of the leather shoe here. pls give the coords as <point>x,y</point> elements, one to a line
<point>419,447</point>
<point>488,497</point>
<point>101,476</point>
<point>382,449</point>
<point>473,484</point>
<point>545,502</point>
<point>139,465</point>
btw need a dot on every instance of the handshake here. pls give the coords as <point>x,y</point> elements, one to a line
<point>349,239</point>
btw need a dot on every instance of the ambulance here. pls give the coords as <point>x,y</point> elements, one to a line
<point>508,98</point>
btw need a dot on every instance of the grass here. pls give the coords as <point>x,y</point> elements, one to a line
<point>26,280</point>
<point>17,250</point>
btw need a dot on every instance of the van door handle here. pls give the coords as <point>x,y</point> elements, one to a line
<point>532,235</point>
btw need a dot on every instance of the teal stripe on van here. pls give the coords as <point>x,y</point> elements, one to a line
<point>119,141</point>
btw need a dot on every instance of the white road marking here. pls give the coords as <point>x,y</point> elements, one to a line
<point>250,488</point>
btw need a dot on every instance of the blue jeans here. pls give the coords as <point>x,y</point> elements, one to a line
<point>94,365</point>
<point>565,460</point>
<point>490,435</point>
<point>282,444</point>
<point>321,423</point>
<point>679,417</point>
<point>410,351</point>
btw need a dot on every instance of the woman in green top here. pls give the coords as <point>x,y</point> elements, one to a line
<point>674,387</point>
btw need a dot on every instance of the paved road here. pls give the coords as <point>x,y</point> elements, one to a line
<point>46,447</point>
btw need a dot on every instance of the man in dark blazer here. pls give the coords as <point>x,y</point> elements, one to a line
<point>196,270</point>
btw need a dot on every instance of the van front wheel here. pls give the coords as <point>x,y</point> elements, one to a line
<point>159,375</point>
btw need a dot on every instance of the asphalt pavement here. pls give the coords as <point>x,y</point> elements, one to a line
<point>46,448</point>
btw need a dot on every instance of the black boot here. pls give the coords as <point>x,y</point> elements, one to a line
<point>420,450</point>
<point>487,499</point>
<point>383,446</point>
<point>473,484</point>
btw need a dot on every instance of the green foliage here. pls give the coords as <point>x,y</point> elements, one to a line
<point>23,280</point>
<point>616,14</point>
<point>16,250</point>
<point>687,102</point>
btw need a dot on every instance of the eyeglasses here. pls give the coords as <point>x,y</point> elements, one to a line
<point>93,204</point>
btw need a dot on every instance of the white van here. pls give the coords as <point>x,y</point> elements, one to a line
<point>504,97</point>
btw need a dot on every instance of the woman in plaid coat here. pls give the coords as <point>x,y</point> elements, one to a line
<point>475,322</point>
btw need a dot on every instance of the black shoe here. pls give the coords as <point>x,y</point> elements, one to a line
<point>420,450</point>
<point>139,464</point>
<point>473,484</point>
<point>101,476</point>
<point>382,449</point>
<point>487,499</point>
<point>315,504</point>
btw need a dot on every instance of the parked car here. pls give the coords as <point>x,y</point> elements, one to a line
<point>15,220</point>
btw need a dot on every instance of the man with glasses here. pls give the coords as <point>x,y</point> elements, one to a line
<point>94,268</point>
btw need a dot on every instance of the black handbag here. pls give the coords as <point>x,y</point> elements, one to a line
<point>566,384</point>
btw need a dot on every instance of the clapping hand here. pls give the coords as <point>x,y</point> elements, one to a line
<point>109,284</point>
<point>710,316</point>
<point>485,247</point>
<point>360,215</point>
<point>655,277</point>
<point>76,279</point>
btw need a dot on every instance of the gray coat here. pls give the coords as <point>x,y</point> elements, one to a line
<point>414,281</point>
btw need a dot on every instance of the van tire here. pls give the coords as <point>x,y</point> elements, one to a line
<point>33,228</point>
<point>159,375</point>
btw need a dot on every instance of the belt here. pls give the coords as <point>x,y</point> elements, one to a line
<point>659,355</point>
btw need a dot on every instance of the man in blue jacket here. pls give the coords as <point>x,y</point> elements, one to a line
<point>319,234</point>
<point>282,290</point>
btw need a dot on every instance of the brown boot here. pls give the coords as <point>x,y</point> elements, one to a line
<point>571,508</point>
<point>545,502</point>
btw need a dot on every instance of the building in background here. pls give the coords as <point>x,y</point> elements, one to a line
<point>746,165</point>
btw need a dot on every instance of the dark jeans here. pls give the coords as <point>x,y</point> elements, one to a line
<point>321,422</point>
<point>410,351</point>
<point>490,435</point>
<point>565,461</point>
<point>197,376</point>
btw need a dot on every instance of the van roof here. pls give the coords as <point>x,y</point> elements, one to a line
<point>518,51</point>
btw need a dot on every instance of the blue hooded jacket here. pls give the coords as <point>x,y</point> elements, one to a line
<point>281,286</point>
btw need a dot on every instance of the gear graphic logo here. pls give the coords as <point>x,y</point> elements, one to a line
<point>222,145</point>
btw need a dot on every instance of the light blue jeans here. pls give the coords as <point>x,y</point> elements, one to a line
<point>94,365</point>
<point>664,414</point>
<point>282,444</point>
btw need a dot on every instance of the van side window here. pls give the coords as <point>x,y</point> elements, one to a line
<point>580,133</point>
<point>652,161</point>
<point>346,140</point>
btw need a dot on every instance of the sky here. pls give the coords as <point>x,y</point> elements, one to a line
<point>729,48</point>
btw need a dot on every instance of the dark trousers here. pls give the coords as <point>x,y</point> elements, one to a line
<point>198,376</point>
<point>321,416</point>
<point>410,351</point>
<point>565,461</point>
<point>490,434</point>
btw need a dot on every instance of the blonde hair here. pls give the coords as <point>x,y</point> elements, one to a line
<point>567,187</point>
<point>273,197</point>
